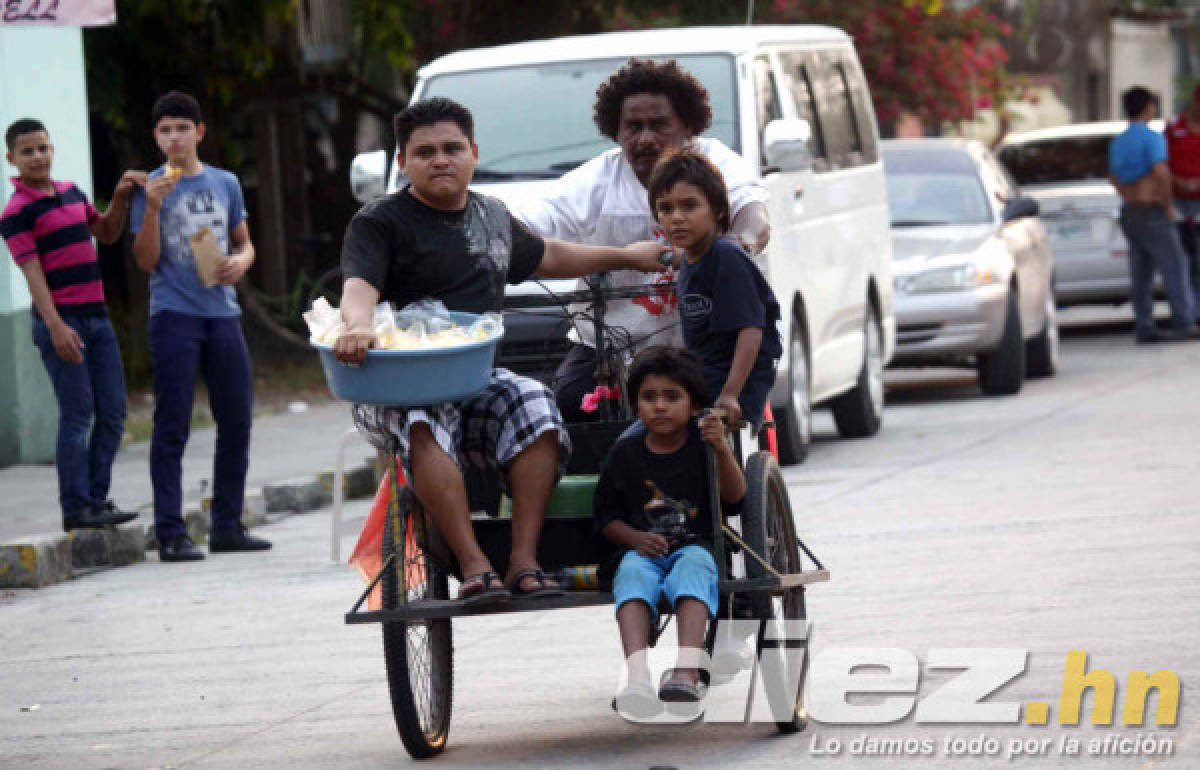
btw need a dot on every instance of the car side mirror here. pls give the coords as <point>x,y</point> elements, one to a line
<point>1020,207</point>
<point>368,175</point>
<point>785,144</point>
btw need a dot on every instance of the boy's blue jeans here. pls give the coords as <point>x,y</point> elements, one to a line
<point>182,346</point>
<point>690,572</point>
<point>91,410</point>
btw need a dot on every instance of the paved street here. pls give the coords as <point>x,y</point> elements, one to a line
<point>1061,519</point>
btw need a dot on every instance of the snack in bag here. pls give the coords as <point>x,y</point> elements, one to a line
<point>208,255</point>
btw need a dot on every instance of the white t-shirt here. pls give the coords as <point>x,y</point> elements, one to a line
<point>603,203</point>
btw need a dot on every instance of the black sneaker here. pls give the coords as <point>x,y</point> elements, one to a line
<point>236,540</point>
<point>179,549</point>
<point>121,517</point>
<point>95,518</point>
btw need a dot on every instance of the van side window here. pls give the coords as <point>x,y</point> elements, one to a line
<point>799,66</point>
<point>860,102</point>
<point>837,116</point>
<point>767,97</point>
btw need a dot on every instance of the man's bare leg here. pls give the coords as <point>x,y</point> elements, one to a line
<point>439,485</point>
<point>531,477</point>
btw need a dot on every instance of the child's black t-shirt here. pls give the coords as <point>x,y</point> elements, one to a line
<point>409,251</point>
<point>720,294</point>
<point>621,492</point>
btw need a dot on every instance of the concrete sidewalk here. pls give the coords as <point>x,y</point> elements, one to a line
<point>282,447</point>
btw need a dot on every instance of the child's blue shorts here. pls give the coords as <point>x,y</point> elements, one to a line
<point>689,571</point>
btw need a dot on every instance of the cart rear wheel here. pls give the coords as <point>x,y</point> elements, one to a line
<point>418,654</point>
<point>768,528</point>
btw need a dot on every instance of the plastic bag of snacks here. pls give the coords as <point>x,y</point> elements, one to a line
<point>421,325</point>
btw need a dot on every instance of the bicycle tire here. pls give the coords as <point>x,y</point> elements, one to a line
<point>418,655</point>
<point>769,529</point>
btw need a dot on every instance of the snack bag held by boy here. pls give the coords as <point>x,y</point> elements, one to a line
<point>652,507</point>
<point>729,314</point>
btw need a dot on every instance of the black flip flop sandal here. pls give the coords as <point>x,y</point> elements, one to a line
<point>485,593</point>
<point>546,587</point>
<point>671,690</point>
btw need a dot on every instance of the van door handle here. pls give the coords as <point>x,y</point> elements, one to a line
<point>798,192</point>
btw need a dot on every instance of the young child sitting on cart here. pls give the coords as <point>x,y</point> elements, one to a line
<point>728,312</point>
<point>647,478</point>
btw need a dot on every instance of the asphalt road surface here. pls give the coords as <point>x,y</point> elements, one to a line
<point>1062,519</point>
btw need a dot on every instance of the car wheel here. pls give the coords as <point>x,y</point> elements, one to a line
<point>858,413</point>
<point>1041,352</point>
<point>1002,371</point>
<point>793,419</point>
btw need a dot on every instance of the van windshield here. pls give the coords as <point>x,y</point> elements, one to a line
<point>536,120</point>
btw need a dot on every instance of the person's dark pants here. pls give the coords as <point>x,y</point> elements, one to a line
<point>1191,247</point>
<point>1154,244</point>
<point>181,347</point>
<point>574,379</point>
<point>91,410</point>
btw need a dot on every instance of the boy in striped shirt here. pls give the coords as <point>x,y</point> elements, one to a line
<point>48,226</point>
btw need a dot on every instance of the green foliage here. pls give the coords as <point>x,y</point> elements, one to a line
<point>215,49</point>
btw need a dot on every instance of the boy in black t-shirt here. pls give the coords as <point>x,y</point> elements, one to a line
<point>667,384</point>
<point>729,313</point>
<point>435,238</point>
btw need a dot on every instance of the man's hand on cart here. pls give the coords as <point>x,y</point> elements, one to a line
<point>352,346</point>
<point>646,256</point>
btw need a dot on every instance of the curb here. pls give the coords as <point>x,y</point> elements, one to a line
<point>36,561</point>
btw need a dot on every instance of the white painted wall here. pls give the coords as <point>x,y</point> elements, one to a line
<point>1141,54</point>
<point>42,76</point>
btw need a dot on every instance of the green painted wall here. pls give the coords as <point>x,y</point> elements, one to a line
<point>29,413</point>
<point>41,76</point>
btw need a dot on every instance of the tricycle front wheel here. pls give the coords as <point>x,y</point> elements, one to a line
<point>419,654</point>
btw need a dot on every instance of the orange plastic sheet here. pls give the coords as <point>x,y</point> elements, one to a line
<point>367,557</point>
<point>772,441</point>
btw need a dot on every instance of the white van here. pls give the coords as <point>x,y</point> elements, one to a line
<point>793,101</point>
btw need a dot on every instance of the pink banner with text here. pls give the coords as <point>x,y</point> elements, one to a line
<point>58,13</point>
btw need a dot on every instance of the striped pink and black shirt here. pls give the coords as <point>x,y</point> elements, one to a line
<point>54,229</point>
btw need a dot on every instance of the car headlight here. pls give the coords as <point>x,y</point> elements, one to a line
<point>952,278</point>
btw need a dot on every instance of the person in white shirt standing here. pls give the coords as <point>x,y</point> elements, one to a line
<point>647,107</point>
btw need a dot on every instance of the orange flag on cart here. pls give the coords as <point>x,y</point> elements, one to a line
<point>367,557</point>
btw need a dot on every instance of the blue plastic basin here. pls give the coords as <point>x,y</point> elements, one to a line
<point>413,377</point>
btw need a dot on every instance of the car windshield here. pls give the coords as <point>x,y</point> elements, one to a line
<point>930,187</point>
<point>1057,160</point>
<point>536,120</point>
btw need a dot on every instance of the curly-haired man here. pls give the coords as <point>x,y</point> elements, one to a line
<point>647,107</point>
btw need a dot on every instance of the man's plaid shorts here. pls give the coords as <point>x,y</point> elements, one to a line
<point>487,430</point>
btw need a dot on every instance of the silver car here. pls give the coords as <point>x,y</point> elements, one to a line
<point>1066,169</point>
<point>972,269</point>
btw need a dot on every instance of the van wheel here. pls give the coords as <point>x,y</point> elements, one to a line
<point>1002,371</point>
<point>793,418</point>
<point>858,412</point>
<point>1041,352</point>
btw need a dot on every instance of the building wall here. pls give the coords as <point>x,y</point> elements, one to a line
<point>41,76</point>
<point>1141,54</point>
